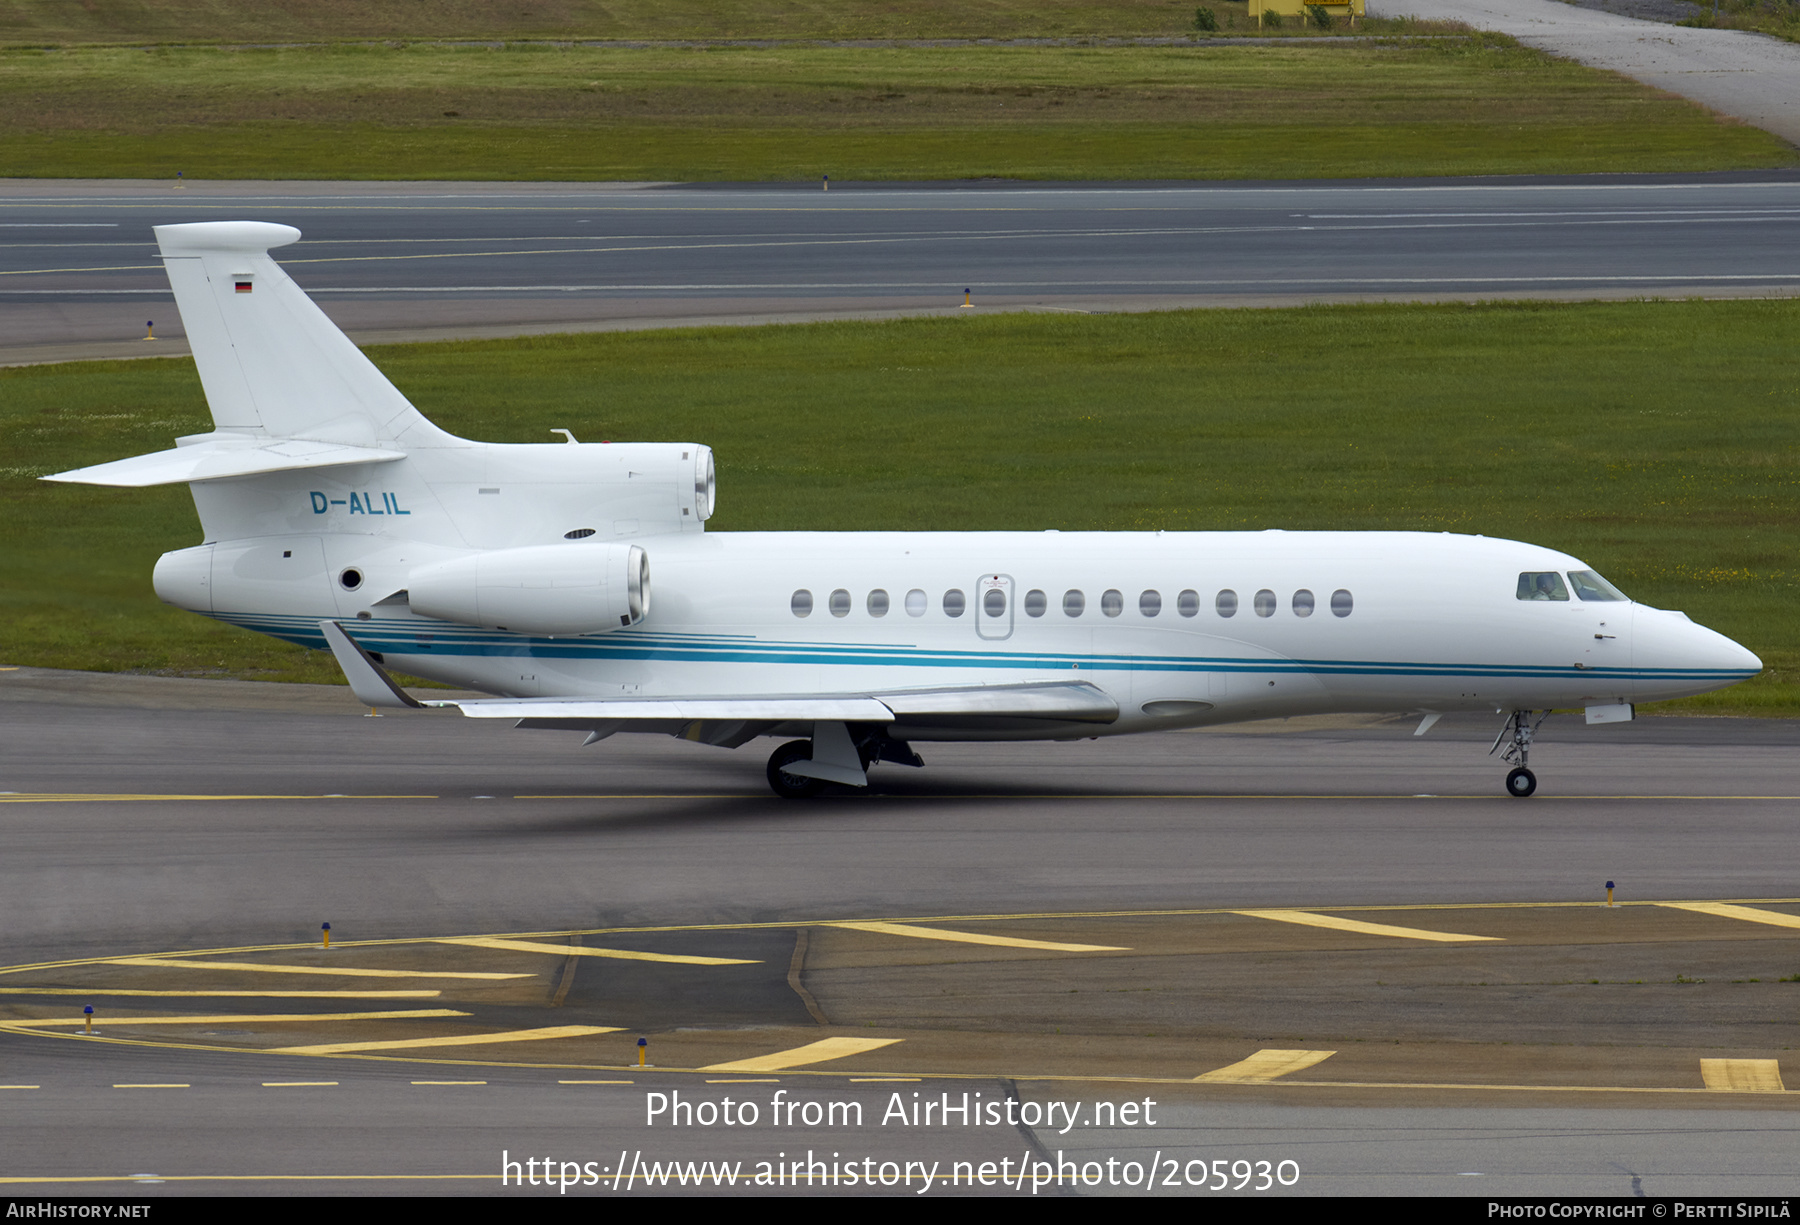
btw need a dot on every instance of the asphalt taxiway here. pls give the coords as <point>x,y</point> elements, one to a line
<point>1321,941</point>
<point>79,275</point>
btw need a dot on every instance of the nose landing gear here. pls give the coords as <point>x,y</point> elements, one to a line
<point>1520,782</point>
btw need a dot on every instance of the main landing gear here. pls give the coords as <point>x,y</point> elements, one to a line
<point>837,753</point>
<point>1520,782</point>
<point>792,786</point>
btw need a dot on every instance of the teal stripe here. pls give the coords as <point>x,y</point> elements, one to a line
<point>407,637</point>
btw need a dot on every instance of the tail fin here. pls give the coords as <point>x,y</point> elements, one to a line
<point>271,362</point>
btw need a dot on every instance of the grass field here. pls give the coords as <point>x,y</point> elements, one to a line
<point>43,22</point>
<point>1660,441</point>
<point>1780,18</point>
<point>1473,105</point>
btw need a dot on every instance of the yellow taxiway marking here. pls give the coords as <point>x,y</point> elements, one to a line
<point>421,994</point>
<point>578,950</point>
<point>183,957</point>
<point>21,1086</point>
<point>401,1044</point>
<point>743,1080</point>
<point>153,1086</point>
<point>449,1082</point>
<point>257,967</point>
<point>1743,1075</point>
<point>800,1056</point>
<point>1309,919</point>
<point>61,797</point>
<point>271,1017</point>
<point>1009,942</point>
<point>298,1084</point>
<point>1749,914</point>
<point>1266,1065</point>
<point>596,1082</point>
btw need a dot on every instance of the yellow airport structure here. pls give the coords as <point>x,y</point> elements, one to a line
<point>1351,9</point>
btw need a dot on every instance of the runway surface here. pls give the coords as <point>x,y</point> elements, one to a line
<point>1328,942</point>
<point>79,275</point>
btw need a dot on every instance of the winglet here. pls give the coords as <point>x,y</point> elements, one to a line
<point>371,685</point>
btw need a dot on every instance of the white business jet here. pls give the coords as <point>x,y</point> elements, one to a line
<point>335,515</point>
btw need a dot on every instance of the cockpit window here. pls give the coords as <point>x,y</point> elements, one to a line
<point>1545,586</point>
<point>1590,586</point>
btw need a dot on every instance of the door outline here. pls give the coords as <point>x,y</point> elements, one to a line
<point>994,629</point>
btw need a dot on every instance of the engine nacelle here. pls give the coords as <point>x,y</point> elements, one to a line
<point>554,590</point>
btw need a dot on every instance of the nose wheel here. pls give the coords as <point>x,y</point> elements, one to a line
<point>1516,735</point>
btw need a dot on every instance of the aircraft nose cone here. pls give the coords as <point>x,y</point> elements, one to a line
<point>1676,658</point>
<point>1746,658</point>
<point>1706,649</point>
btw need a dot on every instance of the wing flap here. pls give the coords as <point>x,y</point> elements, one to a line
<point>782,709</point>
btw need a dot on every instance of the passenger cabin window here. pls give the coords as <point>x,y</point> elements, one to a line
<point>1188,603</point>
<point>801,603</point>
<point>1341,603</point>
<point>1264,603</point>
<point>1150,603</point>
<point>840,603</point>
<point>1590,586</point>
<point>1036,602</point>
<point>1112,602</point>
<point>1226,603</point>
<point>1303,603</point>
<point>916,603</point>
<point>954,603</point>
<point>1547,585</point>
<point>878,603</point>
<point>1074,603</point>
<point>993,603</point>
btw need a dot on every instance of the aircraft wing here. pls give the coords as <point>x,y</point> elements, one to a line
<point>778,708</point>
<point>720,719</point>
<point>1054,701</point>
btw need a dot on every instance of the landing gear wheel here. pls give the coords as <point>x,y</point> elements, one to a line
<point>1520,782</point>
<point>792,786</point>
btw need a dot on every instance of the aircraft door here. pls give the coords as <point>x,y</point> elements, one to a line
<point>994,606</point>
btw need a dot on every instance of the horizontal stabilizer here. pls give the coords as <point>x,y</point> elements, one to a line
<point>217,459</point>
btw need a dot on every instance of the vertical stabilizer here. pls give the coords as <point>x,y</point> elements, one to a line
<point>272,364</point>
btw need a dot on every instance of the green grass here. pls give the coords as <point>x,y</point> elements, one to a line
<point>1780,18</point>
<point>1474,105</point>
<point>262,21</point>
<point>1658,440</point>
